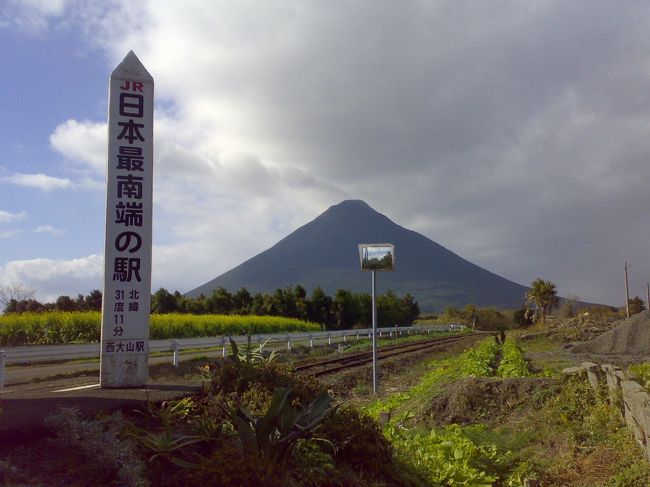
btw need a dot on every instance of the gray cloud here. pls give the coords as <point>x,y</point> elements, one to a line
<point>514,133</point>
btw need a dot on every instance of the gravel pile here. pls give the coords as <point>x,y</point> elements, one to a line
<point>629,337</point>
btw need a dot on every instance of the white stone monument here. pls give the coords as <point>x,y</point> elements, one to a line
<point>127,252</point>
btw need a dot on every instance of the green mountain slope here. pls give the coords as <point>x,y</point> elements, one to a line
<point>325,253</point>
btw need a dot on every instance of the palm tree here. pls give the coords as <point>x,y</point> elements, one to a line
<point>544,295</point>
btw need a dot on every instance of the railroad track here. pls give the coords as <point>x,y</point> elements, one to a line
<point>347,361</point>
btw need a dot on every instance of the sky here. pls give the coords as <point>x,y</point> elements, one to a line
<point>514,133</point>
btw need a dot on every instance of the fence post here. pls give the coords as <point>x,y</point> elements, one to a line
<point>344,337</point>
<point>311,341</point>
<point>329,339</point>
<point>3,359</point>
<point>223,345</point>
<point>176,348</point>
<point>357,335</point>
<point>288,343</point>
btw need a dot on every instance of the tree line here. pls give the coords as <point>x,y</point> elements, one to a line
<point>343,310</point>
<point>27,304</point>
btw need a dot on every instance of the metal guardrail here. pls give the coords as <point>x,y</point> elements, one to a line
<point>47,353</point>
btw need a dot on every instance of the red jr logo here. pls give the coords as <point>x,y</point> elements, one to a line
<point>132,86</point>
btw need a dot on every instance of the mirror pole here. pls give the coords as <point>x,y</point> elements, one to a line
<point>375,378</point>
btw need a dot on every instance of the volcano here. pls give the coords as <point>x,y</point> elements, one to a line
<point>324,253</point>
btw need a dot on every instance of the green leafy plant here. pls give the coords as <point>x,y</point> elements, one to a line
<point>251,355</point>
<point>513,363</point>
<point>446,457</point>
<point>275,434</point>
<point>480,361</point>
<point>169,412</point>
<point>166,442</point>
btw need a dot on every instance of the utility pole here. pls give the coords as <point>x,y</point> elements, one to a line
<point>627,294</point>
<point>647,288</point>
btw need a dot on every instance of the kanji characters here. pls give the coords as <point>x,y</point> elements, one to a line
<point>130,131</point>
<point>126,268</point>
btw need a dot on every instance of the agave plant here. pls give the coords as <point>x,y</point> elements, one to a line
<point>275,434</point>
<point>251,355</point>
<point>165,443</point>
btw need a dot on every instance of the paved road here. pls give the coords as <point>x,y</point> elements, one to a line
<point>17,375</point>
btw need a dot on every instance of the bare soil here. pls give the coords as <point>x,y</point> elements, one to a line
<point>486,400</point>
<point>630,337</point>
<point>590,338</point>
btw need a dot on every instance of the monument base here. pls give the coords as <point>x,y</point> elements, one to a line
<point>124,372</point>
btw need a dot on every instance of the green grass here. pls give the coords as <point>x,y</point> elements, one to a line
<point>84,327</point>
<point>641,373</point>
<point>574,437</point>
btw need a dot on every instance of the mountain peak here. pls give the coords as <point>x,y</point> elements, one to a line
<point>352,203</point>
<point>350,206</point>
<point>324,252</point>
<point>350,210</point>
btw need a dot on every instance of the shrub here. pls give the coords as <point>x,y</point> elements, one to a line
<point>358,440</point>
<point>231,378</point>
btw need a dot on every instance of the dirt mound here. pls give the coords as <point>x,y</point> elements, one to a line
<point>628,337</point>
<point>487,400</point>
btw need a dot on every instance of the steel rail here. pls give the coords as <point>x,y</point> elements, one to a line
<point>364,358</point>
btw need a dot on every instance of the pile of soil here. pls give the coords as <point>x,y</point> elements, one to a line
<point>487,400</point>
<point>628,337</point>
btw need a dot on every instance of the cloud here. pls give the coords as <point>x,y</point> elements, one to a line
<point>39,181</point>
<point>9,233</point>
<point>6,217</point>
<point>47,229</point>
<point>83,143</point>
<point>515,133</point>
<point>31,15</point>
<point>504,133</point>
<point>52,183</point>
<point>54,277</point>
